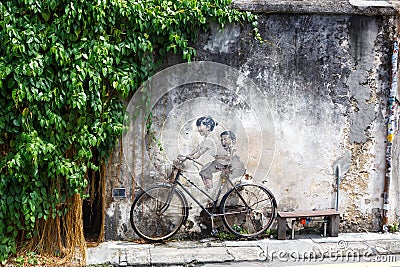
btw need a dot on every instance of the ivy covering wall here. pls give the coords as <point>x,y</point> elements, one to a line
<point>66,68</point>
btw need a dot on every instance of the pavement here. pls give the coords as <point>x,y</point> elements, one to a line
<point>366,247</point>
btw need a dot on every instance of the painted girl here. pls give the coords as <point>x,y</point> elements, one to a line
<point>205,125</point>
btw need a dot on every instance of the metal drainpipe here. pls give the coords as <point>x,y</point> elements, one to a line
<point>391,126</point>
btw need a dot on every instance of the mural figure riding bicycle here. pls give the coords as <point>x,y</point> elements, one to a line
<point>223,158</point>
<point>247,209</point>
<point>205,127</point>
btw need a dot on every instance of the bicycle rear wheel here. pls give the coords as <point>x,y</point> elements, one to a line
<point>248,210</point>
<point>158,213</point>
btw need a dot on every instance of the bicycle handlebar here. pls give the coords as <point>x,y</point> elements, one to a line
<point>195,161</point>
<point>179,161</point>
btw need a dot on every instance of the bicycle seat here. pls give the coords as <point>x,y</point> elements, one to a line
<point>223,167</point>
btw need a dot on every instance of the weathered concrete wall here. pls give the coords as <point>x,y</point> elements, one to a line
<point>325,79</point>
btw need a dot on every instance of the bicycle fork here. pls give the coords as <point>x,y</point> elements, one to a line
<point>176,173</point>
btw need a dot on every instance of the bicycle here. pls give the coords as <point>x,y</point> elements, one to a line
<point>247,209</point>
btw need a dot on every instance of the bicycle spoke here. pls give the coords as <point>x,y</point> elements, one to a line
<point>250,213</point>
<point>156,214</point>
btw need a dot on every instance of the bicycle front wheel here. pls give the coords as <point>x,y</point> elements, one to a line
<point>158,213</point>
<point>248,210</point>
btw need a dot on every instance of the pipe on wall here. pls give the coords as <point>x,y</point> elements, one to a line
<point>391,127</point>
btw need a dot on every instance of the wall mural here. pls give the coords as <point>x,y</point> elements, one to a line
<point>204,111</point>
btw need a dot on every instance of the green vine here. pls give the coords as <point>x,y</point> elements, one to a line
<point>65,69</point>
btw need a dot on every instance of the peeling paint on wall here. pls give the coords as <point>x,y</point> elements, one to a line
<point>221,40</point>
<point>354,187</point>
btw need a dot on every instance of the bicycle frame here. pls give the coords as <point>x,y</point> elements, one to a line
<point>246,209</point>
<point>175,182</point>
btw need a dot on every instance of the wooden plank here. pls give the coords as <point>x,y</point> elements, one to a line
<point>313,213</point>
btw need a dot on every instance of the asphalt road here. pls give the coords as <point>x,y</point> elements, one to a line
<point>376,261</point>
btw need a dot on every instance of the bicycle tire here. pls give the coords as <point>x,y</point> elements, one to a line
<point>152,225</point>
<point>250,215</point>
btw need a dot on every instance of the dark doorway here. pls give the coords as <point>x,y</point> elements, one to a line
<point>92,208</point>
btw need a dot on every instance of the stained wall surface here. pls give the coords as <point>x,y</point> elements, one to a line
<point>311,97</point>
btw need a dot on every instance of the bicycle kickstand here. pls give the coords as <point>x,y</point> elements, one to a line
<point>214,231</point>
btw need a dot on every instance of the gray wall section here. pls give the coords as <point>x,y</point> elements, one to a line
<point>325,78</point>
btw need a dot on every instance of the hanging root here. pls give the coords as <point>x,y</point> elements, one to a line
<point>61,239</point>
<point>102,193</point>
<point>75,245</point>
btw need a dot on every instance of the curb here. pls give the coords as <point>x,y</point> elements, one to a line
<point>350,246</point>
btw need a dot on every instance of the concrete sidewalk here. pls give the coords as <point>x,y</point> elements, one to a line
<point>355,246</point>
